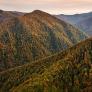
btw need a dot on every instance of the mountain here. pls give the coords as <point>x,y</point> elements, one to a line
<point>81,21</point>
<point>86,25</point>
<point>4,15</point>
<point>33,36</point>
<point>67,71</point>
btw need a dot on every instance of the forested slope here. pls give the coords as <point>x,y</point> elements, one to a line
<point>33,36</point>
<point>70,70</point>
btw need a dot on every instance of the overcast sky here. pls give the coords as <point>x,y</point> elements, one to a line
<point>50,6</point>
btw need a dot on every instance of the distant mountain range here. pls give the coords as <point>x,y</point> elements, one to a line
<point>67,71</point>
<point>81,21</point>
<point>32,36</point>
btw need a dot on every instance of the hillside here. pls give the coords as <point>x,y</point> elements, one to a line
<point>86,24</point>
<point>67,71</point>
<point>33,36</point>
<point>5,15</point>
<point>81,21</point>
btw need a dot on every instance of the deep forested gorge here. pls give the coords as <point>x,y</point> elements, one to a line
<point>40,53</point>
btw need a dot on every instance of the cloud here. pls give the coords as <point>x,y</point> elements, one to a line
<point>52,6</point>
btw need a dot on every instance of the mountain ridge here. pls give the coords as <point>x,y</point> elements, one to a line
<point>80,21</point>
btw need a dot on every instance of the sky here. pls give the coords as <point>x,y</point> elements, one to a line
<point>50,6</point>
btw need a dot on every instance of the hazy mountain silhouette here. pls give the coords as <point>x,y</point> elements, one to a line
<point>81,21</point>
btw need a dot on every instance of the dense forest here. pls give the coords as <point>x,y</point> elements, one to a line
<point>67,71</point>
<point>28,37</point>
